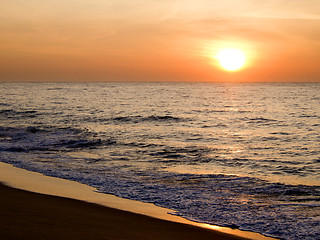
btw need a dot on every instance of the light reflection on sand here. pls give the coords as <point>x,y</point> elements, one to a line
<point>36,182</point>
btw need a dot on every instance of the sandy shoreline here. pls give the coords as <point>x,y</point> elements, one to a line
<point>30,215</point>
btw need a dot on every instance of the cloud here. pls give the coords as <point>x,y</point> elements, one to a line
<point>117,36</point>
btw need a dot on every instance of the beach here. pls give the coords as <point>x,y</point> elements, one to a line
<point>28,215</point>
<point>215,156</point>
<point>31,215</point>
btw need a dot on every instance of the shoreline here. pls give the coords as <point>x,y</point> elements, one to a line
<point>42,185</point>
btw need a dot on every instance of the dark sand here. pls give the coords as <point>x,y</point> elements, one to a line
<point>28,215</point>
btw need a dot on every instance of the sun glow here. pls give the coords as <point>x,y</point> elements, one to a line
<point>231,59</point>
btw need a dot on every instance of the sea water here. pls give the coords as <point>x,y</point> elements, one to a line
<point>244,155</point>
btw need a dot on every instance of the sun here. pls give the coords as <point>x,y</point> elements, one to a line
<point>231,59</point>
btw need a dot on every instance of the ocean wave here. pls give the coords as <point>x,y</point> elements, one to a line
<point>108,136</point>
<point>54,89</point>
<point>4,104</point>
<point>152,118</point>
<point>134,119</point>
<point>47,139</point>
<point>260,120</point>
<point>10,113</point>
<point>309,116</point>
<point>226,200</point>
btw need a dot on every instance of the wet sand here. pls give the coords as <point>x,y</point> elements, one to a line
<point>28,215</point>
<point>17,213</point>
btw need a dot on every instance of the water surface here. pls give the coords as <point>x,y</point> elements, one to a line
<point>240,155</point>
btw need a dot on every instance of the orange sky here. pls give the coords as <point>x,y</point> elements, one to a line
<point>148,40</point>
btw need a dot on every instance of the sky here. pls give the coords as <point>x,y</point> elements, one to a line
<point>167,40</point>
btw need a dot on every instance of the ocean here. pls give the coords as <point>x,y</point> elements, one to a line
<point>241,155</point>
